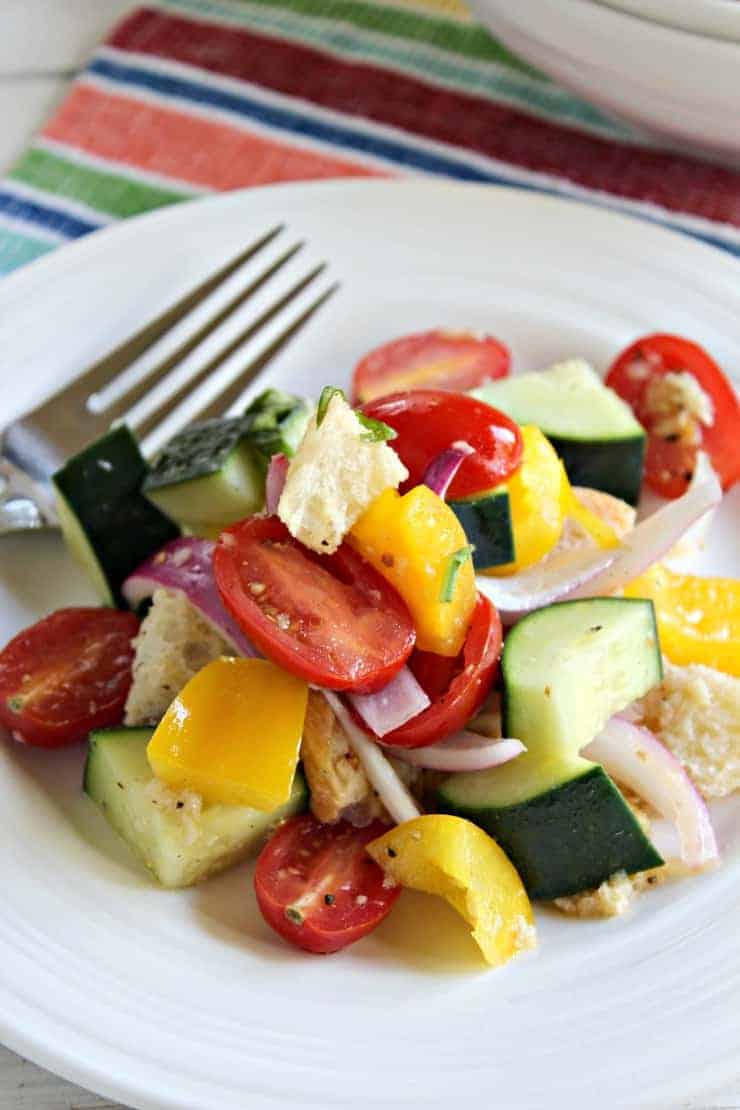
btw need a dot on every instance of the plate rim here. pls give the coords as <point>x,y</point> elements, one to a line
<point>55,1059</point>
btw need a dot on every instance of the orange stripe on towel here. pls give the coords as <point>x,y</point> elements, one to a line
<point>172,143</point>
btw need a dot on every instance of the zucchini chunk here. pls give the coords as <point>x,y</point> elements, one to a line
<point>566,669</point>
<point>486,521</point>
<point>275,423</point>
<point>107,523</point>
<point>212,474</point>
<point>178,845</point>
<point>592,429</point>
<point>208,474</point>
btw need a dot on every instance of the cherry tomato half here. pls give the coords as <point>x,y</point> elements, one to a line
<point>439,359</point>
<point>670,461</point>
<point>67,675</point>
<point>317,886</point>
<point>468,685</point>
<point>429,420</point>
<point>330,619</point>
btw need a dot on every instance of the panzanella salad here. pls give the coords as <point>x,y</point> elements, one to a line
<point>409,637</point>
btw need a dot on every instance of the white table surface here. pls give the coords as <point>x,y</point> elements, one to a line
<point>43,43</point>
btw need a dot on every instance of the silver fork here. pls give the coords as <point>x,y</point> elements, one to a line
<point>194,361</point>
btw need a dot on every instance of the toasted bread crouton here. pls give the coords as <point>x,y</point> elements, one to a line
<point>617,514</point>
<point>336,473</point>
<point>695,711</point>
<point>340,789</point>
<point>173,644</point>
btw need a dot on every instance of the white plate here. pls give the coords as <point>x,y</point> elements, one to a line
<point>716,18</point>
<point>186,999</point>
<point>681,87</point>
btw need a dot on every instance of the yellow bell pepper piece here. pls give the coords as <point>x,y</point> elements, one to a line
<point>538,502</point>
<point>233,734</point>
<point>409,540</point>
<point>599,531</point>
<point>455,859</point>
<point>698,618</point>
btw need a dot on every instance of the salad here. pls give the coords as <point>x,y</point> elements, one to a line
<point>414,637</point>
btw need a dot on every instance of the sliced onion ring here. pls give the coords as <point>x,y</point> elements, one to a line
<point>277,472</point>
<point>652,538</point>
<point>589,573</point>
<point>185,565</point>
<point>441,470</point>
<point>392,792</point>
<point>462,751</point>
<point>396,704</point>
<point>636,758</point>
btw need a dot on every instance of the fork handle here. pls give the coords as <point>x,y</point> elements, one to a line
<point>25,505</point>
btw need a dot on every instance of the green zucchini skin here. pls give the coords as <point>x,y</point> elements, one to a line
<point>118,780</point>
<point>486,521</point>
<point>567,668</point>
<point>567,839</point>
<point>208,474</point>
<point>275,423</point>
<point>116,526</point>
<point>593,431</point>
<point>614,466</point>
<point>212,474</point>
<point>195,452</point>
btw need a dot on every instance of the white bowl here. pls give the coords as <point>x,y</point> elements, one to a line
<point>717,18</point>
<point>681,87</point>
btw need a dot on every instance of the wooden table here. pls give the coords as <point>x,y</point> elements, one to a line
<point>43,44</point>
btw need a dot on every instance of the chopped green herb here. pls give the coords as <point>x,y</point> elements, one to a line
<point>15,705</point>
<point>294,915</point>
<point>327,393</point>
<point>456,561</point>
<point>375,430</point>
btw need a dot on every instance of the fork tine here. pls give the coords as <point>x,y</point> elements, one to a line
<point>158,373</point>
<point>231,401</point>
<point>115,361</point>
<point>213,400</point>
<point>145,423</point>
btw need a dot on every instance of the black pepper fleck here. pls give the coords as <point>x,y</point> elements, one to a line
<point>392,853</point>
<point>329,899</point>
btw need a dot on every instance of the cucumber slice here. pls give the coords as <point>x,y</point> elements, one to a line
<point>208,474</point>
<point>276,422</point>
<point>562,838</point>
<point>178,848</point>
<point>109,526</point>
<point>592,429</point>
<point>486,521</point>
<point>566,669</point>
<point>571,666</point>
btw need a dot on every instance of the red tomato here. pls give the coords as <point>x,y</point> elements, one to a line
<point>317,886</point>
<point>428,421</point>
<point>67,675</point>
<point>441,359</point>
<point>331,619</point>
<point>670,461</point>
<point>469,685</point>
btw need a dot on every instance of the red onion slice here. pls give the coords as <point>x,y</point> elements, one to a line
<point>589,573</point>
<point>545,582</point>
<point>392,792</point>
<point>462,751</point>
<point>654,537</point>
<point>186,565</point>
<point>637,759</point>
<point>398,702</point>
<point>277,472</point>
<point>440,472</point>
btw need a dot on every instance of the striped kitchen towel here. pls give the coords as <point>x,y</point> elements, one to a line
<point>188,97</point>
